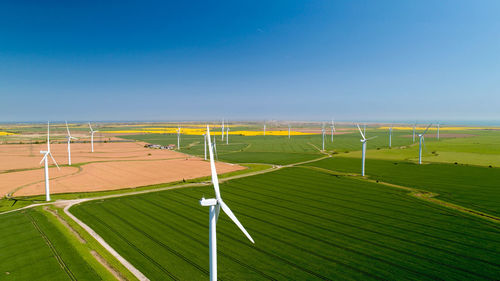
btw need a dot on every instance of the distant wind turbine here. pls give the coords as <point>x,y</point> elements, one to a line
<point>215,205</point>
<point>215,148</point>
<point>69,138</point>
<point>390,137</point>
<point>333,129</point>
<point>227,135</point>
<point>179,138</point>
<point>323,136</point>
<point>264,129</point>
<point>45,159</point>
<point>222,129</point>
<point>288,131</point>
<point>363,155</point>
<point>421,142</point>
<point>92,132</point>
<point>414,128</point>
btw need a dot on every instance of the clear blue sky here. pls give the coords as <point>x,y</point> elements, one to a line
<point>161,60</point>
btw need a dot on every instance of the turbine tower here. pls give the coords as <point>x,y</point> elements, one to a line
<point>227,135</point>
<point>92,132</point>
<point>179,138</point>
<point>69,137</point>
<point>215,205</point>
<point>414,125</point>
<point>323,137</point>
<point>333,129</point>
<point>288,131</point>
<point>264,128</point>
<point>421,142</point>
<point>222,129</point>
<point>390,137</point>
<point>45,159</point>
<point>363,141</point>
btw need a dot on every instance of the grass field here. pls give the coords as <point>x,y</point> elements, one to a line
<point>308,225</point>
<point>32,248</point>
<point>474,187</point>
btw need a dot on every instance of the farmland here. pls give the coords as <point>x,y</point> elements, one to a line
<point>307,225</point>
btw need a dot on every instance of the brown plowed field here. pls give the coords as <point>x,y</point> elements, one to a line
<point>111,166</point>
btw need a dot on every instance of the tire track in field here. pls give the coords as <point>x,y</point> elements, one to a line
<point>52,248</point>
<point>383,246</point>
<point>359,210</point>
<point>194,239</point>
<point>273,255</point>
<point>375,222</point>
<point>159,266</point>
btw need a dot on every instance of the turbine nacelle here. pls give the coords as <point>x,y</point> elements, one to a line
<point>208,202</point>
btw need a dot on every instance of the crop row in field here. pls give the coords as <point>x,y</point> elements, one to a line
<point>469,186</point>
<point>31,248</point>
<point>307,225</point>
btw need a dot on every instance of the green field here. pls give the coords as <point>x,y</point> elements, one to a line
<point>308,225</point>
<point>32,248</point>
<point>474,187</point>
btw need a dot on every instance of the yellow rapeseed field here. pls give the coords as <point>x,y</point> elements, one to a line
<point>434,128</point>
<point>6,134</point>
<point>190,131</point>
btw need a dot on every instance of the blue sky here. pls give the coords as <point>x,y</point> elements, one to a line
<point>312,60</point>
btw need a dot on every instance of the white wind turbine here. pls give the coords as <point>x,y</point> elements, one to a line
<point>363,155</point>
<point>390,136</point>
<point>421,142</point>
<point>288,131</point>
<point>215,148</point>
<point>333,129</point>
<point>45,159</point>
<point>222,131</point>
<point>179,138</point>
<point>92,132</point>
<point>227,135</point>
<point>323,136</point>
<point>69,137</point>
<point>264,129</point>
<point>215,205</point>
<point>414,128</point>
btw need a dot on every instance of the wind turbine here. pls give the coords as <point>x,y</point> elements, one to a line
<point>179,138</point>
<point>215,205</point>
<point>215,147</point>
<point>390,136</point>
<point>288,131</point>
<point>363,140</point>
<point>227,135</point>
<point>264,129</point>
<point>438,132</point>
<point>45,159</point>
<point>414,125</point>
<point>69,137</point>
<point>333,129</point>
<point>222,129</point>
<point>421,142</point>
<point>92,132</point>
<point>323,136</point>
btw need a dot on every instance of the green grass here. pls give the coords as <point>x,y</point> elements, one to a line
<point>25,253</point>
<point>307,225</point>
<point>474,187</point>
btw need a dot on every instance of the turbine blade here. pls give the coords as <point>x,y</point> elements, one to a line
<point>43,158</point>
<point>230,214</point>
<point>427,129</point>
<point>372,138</point>
<point>54,160</point>
<point>363,136</point>
<point>215,179</point>
<point>67,128</point>
<point>90,127</point>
